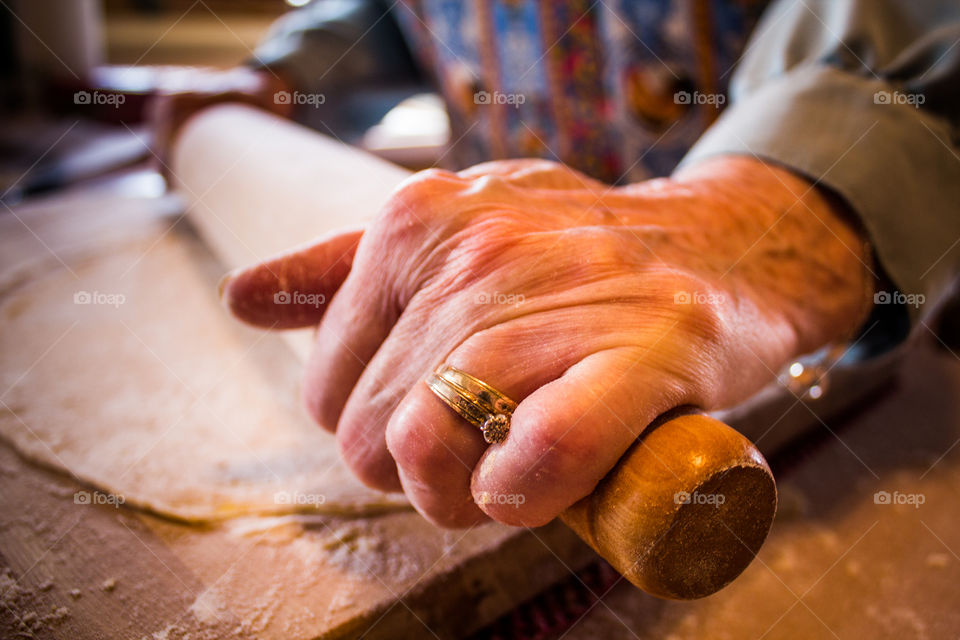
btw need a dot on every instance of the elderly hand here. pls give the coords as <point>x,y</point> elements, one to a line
<point>596,308</point>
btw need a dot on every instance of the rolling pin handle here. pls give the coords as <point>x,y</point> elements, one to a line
<point>685,509</point>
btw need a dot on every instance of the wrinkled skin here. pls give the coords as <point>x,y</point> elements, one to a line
<point>570,296</point>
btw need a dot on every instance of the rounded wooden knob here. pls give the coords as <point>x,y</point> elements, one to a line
<point>684,511</point>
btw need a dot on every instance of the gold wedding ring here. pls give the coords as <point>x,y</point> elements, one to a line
<point>475,401</point>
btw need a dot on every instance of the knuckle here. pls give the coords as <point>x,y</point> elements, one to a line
<point>700,310</point>
<point>491,186</point>
<point>404,216</point>
<point>549,174</point>
<point>414,451</point>
<point>453,515</point>
<point>365,454</point>
<point>704,330</point>
<point>603,246</point>
<point>397,434</point>
<point>417,449</point>
<point>416,209</point>
<point>532,172</point>
<point>412,203</point>
<point>559,452</point>
<point>417,190</point>
<point>561,448</point>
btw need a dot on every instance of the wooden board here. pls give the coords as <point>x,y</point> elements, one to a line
<point>90,571</point>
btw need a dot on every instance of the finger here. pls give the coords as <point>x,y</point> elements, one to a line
<point>291,290</point>
<point>383,280</point>
<point>359,370</point>
<point>435,452</point>
<point>434,449</point>
<point>566,436</point>
<point>429,446</point>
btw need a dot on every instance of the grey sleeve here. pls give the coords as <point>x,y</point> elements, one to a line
<point>862,97</point>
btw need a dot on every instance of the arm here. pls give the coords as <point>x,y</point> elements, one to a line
<point>860,97</point>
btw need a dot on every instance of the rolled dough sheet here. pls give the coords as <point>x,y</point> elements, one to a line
<point>121,368</point>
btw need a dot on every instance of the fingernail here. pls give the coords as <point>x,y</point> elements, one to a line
<point>222,285</point>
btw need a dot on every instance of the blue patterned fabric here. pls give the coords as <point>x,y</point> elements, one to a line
<point>619,89</point>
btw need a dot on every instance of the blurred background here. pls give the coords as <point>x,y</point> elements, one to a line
<point>79,81</point>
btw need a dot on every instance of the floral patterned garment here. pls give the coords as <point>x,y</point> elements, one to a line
<point>619,89</point>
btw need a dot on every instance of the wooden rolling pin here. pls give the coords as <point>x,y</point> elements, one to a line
<point>682,513</point>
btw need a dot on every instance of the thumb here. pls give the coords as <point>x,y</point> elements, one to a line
<point>292,289</point>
